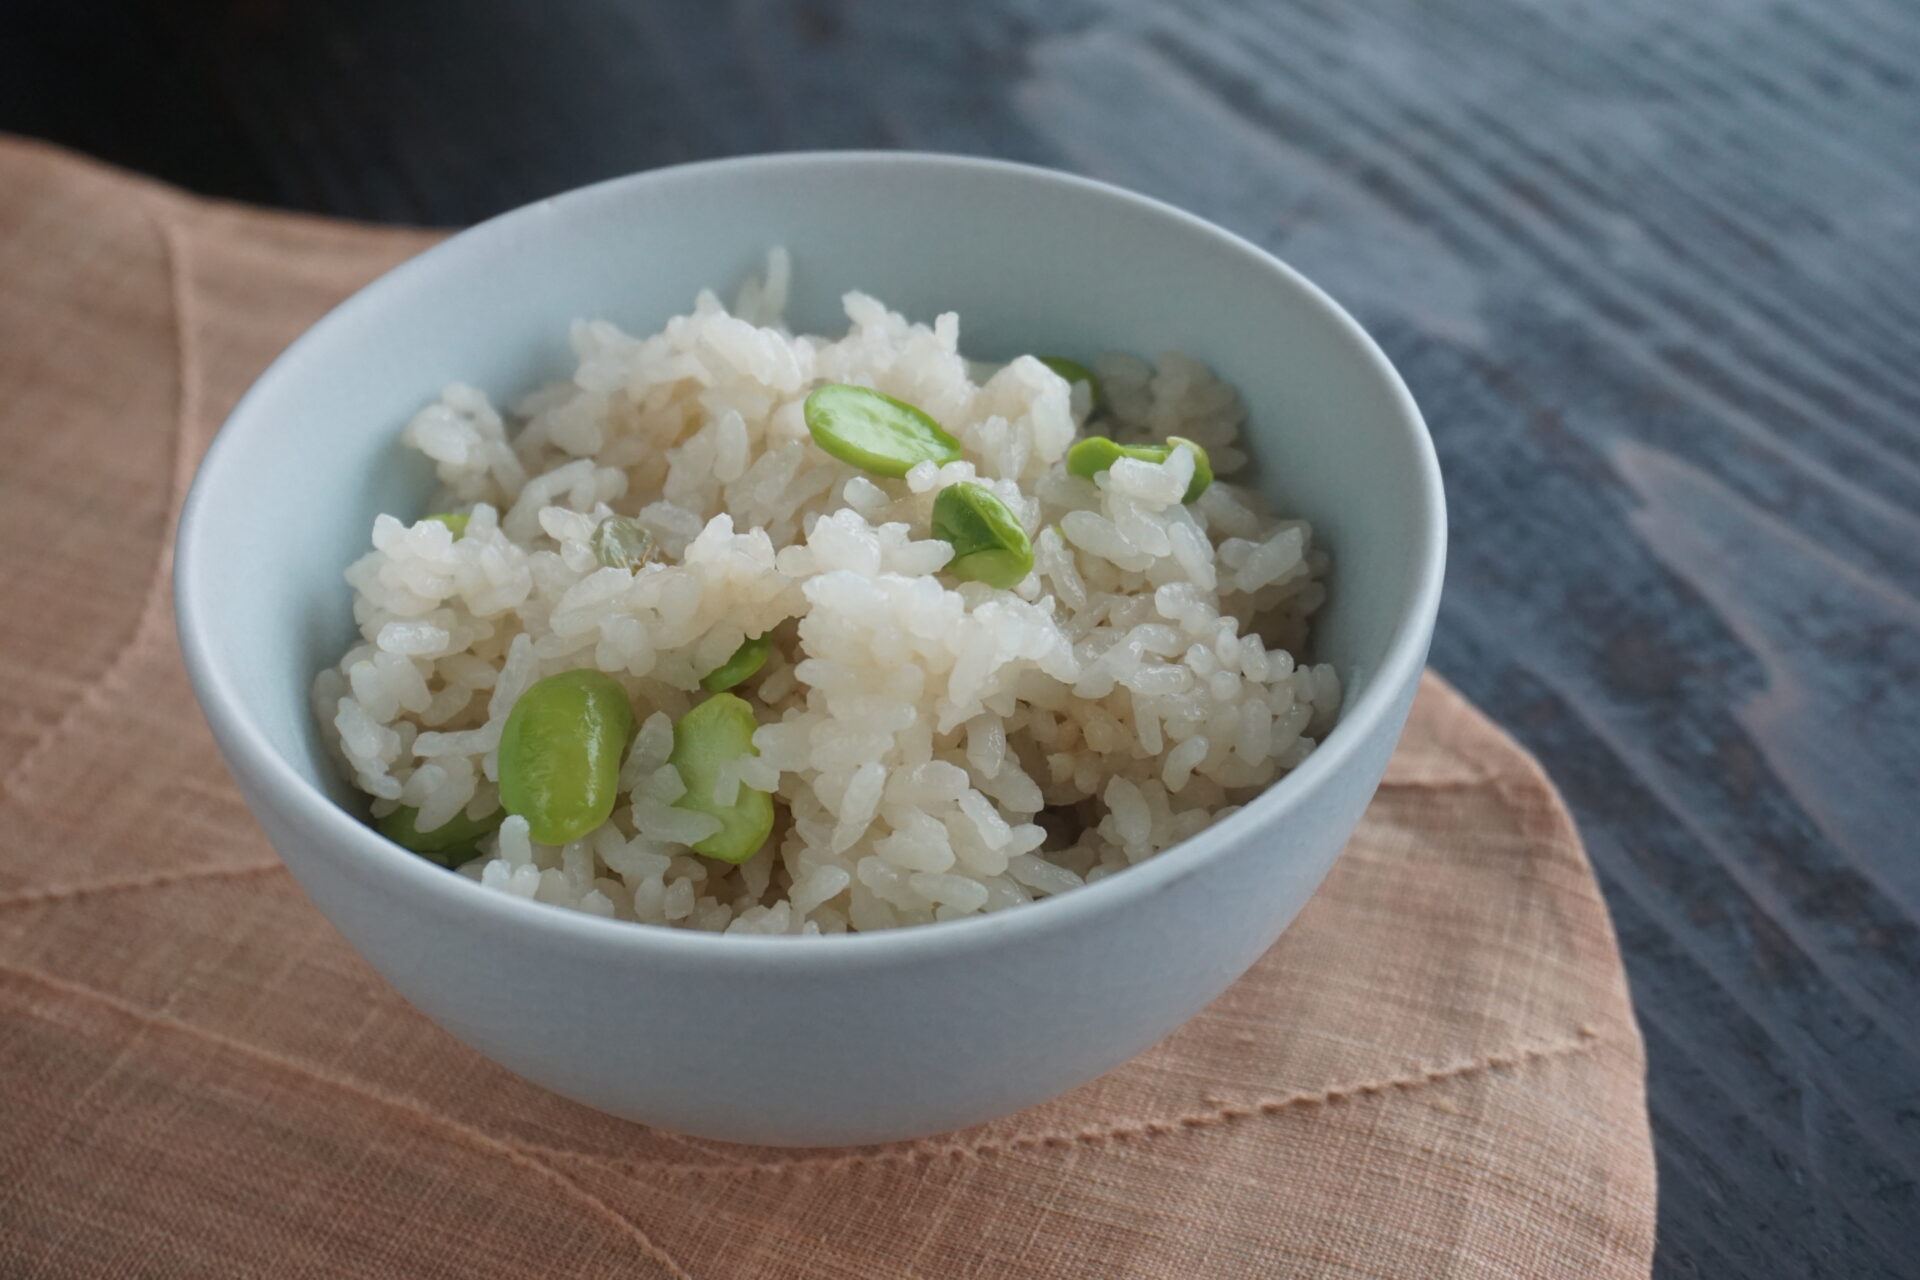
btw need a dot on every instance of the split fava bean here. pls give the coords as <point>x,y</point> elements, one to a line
<point>560,754</point>
<point>456,521</point>
<point>747,659</point>
<point>989,544</point>
<point>1089,457</point>
<point>1073,371</point>
<point>621,543</point>
<point>717,731</point>
<point>449,844</point>
<point>875,432</point>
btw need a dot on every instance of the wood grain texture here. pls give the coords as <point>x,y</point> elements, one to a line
<point>1652,270</point>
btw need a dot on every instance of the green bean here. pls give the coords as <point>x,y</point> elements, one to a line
<point>717,731</point>
<point>876,432</point>
<point>747,659</point>
<point>1202,468</point>
<point>560,754</point>
<point>621,543</point>
<point>1089,457</point>
<point>454,520</point>
<point>989,545</point>
<point>449,844</point>
<point>1073,371</point>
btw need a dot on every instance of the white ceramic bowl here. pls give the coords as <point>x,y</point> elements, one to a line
<point>806,1041</point>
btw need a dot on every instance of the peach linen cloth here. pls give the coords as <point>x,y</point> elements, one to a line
<point>1435,1073</point>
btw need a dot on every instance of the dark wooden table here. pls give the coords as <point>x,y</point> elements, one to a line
<point>1652,269</point>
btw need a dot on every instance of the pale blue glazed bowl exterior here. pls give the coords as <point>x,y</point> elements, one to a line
<point>793,1041</point>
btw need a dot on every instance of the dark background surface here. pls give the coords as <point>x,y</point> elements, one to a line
<point>1652,270</point>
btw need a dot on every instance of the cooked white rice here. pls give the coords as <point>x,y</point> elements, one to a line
<point>937,749</point>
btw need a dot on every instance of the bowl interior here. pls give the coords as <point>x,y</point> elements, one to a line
<point>1031,261</point>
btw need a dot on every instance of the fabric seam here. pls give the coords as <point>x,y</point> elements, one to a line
<point>155,880</point>
<point>1584,1041</point>
<point>153,604</point>
<point>472,1136</point>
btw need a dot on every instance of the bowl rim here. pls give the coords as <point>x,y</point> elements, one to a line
<point>251,752</point>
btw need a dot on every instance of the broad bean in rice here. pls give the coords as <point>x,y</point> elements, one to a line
<point>868,694</point>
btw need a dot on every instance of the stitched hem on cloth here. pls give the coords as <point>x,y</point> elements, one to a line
<point>1584,1041</point>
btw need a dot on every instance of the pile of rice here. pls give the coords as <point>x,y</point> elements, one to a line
<point>936,749</point>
